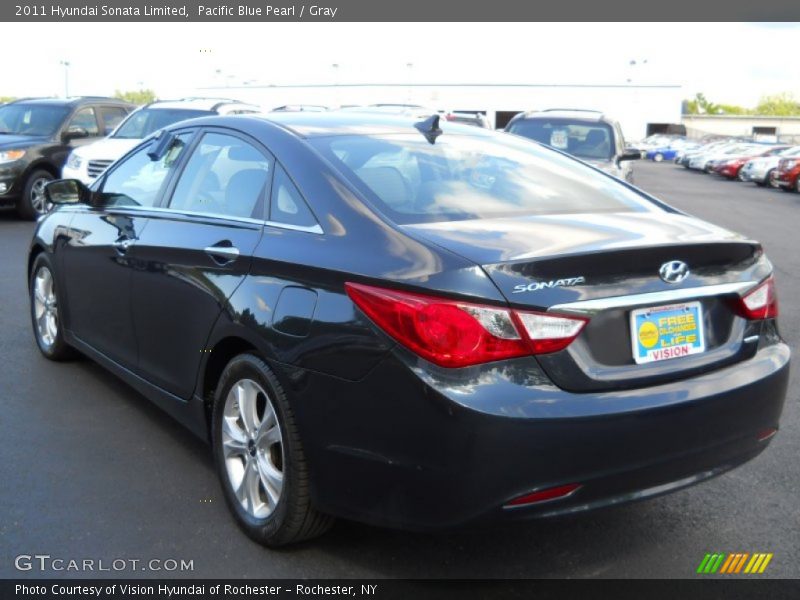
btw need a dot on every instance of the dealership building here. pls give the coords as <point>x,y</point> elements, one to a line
<point>640,109</point>
<point>763,128</point>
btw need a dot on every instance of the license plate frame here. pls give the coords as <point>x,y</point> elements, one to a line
<point>681,335</point>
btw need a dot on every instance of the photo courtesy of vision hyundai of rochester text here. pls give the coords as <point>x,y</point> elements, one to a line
<point>412,323</point>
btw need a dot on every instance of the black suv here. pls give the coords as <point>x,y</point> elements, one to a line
<point>37,135</point>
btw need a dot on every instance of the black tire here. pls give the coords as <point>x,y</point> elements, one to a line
<point>54,347</point>
<point>770,179</point>
<point>30,206</point>
<point>293,518</point>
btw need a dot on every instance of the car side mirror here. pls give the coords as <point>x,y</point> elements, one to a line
<point>74,133</point>
<point>629,155</point>
<point>67,191</point>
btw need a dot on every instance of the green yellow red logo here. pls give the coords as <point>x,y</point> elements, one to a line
<point>737,562</point>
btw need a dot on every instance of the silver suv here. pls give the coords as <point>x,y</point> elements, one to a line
<point>588,135</point>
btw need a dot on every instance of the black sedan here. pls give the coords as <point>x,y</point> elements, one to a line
<point>409,323</point>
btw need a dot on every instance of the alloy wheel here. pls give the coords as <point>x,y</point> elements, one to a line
<point>38,198</point>
<point>45,307</point>
<point>252,447</point>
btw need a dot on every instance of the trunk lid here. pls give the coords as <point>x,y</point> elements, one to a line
<point>606,265</point>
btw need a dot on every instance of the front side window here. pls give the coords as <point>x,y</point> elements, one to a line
<point>84,120</point>
<point>584,139</point>
<point>138,180</point>
<point>463,176</point>
<point>224,176</point>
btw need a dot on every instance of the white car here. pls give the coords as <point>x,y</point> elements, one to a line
<point>759,170</point>
<point>87,162</point>
<point>703,160</point>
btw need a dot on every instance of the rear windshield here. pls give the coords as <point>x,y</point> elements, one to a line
<point>473,177</point>
<point>147,120</point>
<point>590,140</point>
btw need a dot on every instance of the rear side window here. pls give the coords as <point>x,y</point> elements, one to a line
<point>584,139</point>
<point>463,176</point>
<point>225,176</point>
<point>287,205</point>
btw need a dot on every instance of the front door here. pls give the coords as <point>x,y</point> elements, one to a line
<point>96,261</point>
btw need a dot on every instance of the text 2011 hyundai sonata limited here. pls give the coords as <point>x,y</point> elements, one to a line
<point>380,319</point>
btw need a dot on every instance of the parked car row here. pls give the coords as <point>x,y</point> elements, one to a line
<point>773,165</point>
<point>42,139</point>
<point>37,135</point>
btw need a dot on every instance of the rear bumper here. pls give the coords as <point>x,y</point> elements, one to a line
<point>418,448</point>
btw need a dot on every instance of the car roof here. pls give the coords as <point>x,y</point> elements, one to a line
<point>71,101</point>
<point>331,123</point>
<point>210,104</point>
<point>593,116</point>
<point>309,125</point>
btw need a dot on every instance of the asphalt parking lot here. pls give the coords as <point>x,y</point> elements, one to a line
<point>91,470</point>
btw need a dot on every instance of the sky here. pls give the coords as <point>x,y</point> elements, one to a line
<point>734,63</point>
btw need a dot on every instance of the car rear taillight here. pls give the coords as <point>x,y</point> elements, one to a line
<point>549,333</point>
<point>452,333</point>
<point>760,302</point>
<point>556,493</point>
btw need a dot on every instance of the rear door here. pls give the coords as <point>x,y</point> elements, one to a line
<point>195,252</point>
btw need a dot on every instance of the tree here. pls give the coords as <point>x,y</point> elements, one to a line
<point>4,99</point>
<point>779,105</point>
<point>136,97</point>
<point>701,106</point>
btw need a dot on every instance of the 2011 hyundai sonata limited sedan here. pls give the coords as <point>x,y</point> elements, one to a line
<point>412,324</point>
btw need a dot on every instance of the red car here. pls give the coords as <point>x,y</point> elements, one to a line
<point>785,176</point>
<point>731,167</point>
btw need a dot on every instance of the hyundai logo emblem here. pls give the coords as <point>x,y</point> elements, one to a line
<point>674,271</point>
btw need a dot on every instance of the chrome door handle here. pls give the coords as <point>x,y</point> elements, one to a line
<point>226,253</point>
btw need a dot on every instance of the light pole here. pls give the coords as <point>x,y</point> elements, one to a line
<point>409,66</point>
<point>335,67</point>
<point>632,75</point>
<point>65,64</point>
